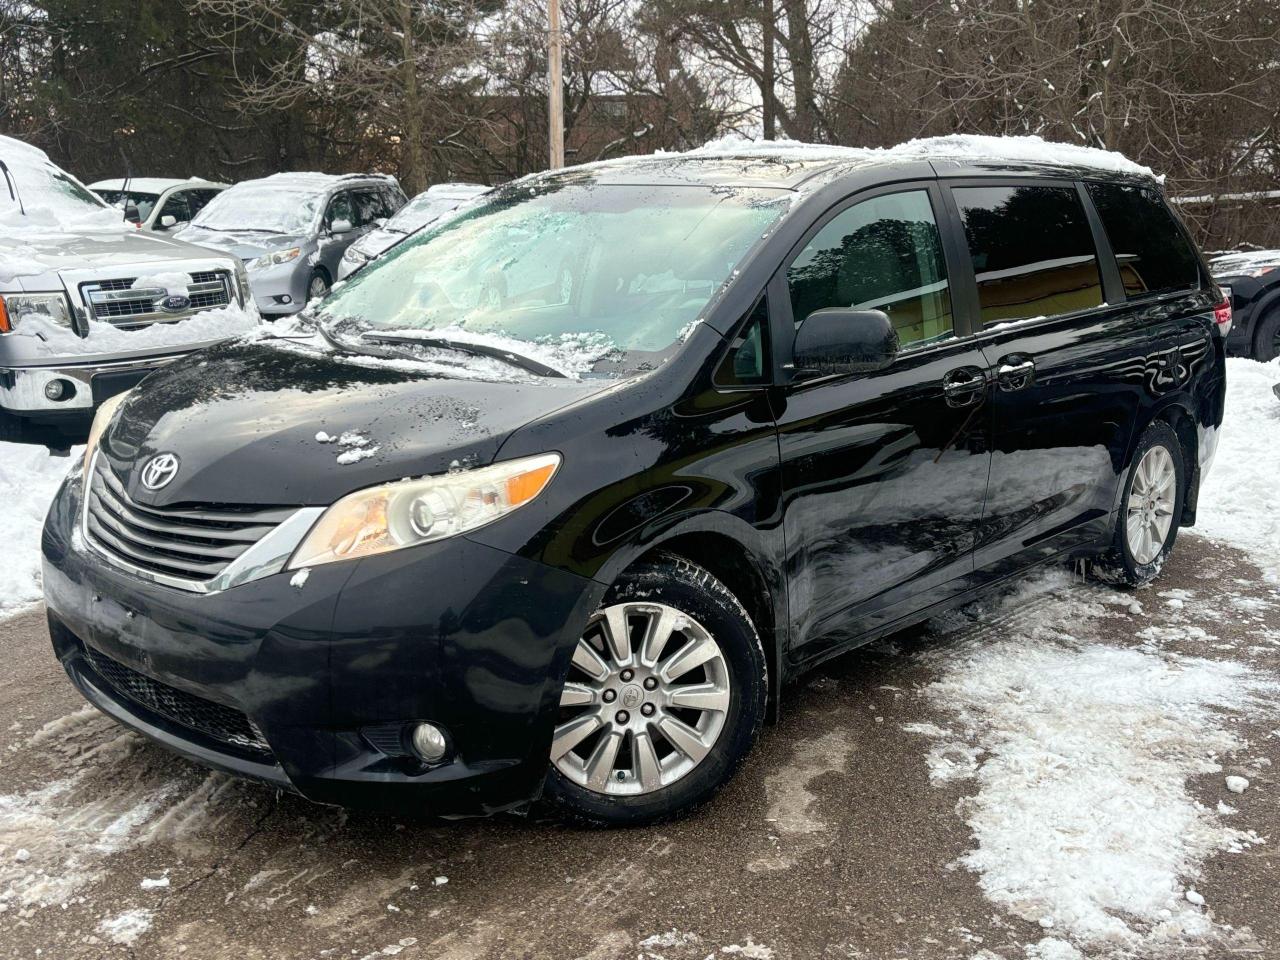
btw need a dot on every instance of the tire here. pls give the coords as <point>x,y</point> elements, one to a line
<point>1266,339</point>
<point>1140,543</point>
<point>317,285</point>
<point>606,777</point>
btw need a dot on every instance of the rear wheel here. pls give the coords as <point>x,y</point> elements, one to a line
<point>1266,340</point>
<point>1148,519</point>
<point>664,699</point>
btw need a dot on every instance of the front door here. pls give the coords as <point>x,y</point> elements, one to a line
<point>884,474</point>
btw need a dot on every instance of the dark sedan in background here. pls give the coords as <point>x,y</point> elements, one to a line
<point>1253,280</point>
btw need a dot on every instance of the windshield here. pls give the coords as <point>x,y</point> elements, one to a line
<point>632,265</point>
<point>42,186</point>
<point>420,211</point>
<point>259,207</point>
<point>118,198</point>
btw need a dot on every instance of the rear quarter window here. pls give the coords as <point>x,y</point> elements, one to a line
<point>1152,252</point>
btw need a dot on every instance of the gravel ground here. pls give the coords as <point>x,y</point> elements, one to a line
<point>832,842</point>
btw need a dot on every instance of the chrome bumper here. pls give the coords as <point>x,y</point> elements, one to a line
<point>22,389</point>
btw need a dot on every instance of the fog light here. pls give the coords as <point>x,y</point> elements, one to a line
<point>428,742</point>
<point>59,390</point>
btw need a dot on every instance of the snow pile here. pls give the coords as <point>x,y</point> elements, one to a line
<point>1238,496</point>
<point>127,927</point>
<point>1081,753</point>
<point>30,476</point>
<point>48,206</point>
<point>208,325</point>
<point>172,282</point>
<point>955,147</point>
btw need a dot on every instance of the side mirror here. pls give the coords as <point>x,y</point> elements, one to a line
<point>838,340</point>
<point>168,220</point>
<point>340,226</point>
<point>131,212</point>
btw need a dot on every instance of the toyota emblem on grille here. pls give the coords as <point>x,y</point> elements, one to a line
<point>175,303</point>
<point>159,470</point>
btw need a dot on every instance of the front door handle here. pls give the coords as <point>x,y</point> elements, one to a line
<point>964,386</point>
<point>1015,372</point>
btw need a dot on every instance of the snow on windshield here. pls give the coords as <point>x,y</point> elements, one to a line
<point>420,211</point>
<point>262,205</point>
<point>39,198</point>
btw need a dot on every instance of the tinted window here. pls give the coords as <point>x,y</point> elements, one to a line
<point>747,361</point>
<point>881,254</point>
<point>196,199</point>
<point>340,208</point>
<point>176,206</point>
<point>1151,251</point>
<point>1032,251</point>
<point>371,205</point>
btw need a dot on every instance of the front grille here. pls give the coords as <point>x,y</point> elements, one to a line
<point>190,542</point>
<point>117,301</point>
<point>213,720</point>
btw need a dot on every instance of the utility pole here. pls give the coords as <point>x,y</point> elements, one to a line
<point>556,85</point>
<point>767,28</point>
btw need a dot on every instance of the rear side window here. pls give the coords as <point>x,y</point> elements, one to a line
<point>1032,250</point>
<point>881,254</point>
<point>1152,252</point>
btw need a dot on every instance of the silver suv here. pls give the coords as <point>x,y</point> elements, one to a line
<point>89,304</point>
<point>291,230</point>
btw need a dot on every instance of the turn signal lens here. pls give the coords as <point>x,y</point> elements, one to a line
<point>4,317</point>
<point>410,512</point>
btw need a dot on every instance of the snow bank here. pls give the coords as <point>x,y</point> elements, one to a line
<point>955,147</point>
<point>1237,500</point>
<point>215,324</point>
<point>1081,755</point>
<point>30,476</point>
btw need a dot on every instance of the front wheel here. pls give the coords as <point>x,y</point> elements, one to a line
<point>1148,519</point>
<point>664,699</point>
<point>317,286</point>
<point>1266,343</point>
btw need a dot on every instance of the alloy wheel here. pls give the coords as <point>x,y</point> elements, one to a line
<point>1151,502</point>
<point>317,288</point>
<point>646,700</point>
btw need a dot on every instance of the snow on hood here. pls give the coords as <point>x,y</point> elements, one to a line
<point>209,325</point>
<point>244,245</point>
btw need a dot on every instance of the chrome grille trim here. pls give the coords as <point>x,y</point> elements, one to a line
<point>197,549</point>
<point>117,301</point>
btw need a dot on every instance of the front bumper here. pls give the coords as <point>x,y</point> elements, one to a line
<point>281,289</point>
<point>84,385</point>
<point>456,633</point>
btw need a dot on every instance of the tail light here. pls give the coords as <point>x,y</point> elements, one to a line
<point>1222,316</point>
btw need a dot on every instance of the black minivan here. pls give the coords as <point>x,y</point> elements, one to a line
<point>553,499</point>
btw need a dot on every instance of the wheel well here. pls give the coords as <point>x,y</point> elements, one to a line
<point>726,560</point>
<point>1185,428</point>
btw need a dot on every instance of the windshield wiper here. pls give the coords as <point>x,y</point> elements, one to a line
<point>475,349</point>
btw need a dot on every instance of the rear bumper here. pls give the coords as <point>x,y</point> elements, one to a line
<point>462,635</point>
<point>83,385</point>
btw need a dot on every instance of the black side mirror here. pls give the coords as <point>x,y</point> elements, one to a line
<point>838,340</point>
<point>131,212</point>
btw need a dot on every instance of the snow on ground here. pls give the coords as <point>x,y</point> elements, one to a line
<point>1081,753</point>
<point>1238,498</point>
<point>29,475</point>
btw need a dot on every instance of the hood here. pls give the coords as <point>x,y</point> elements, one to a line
<point>243,419</point>
<point>244,246</point>
<point>42,254</point>
<point>376,242</point>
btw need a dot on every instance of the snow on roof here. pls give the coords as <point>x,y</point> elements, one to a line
<point>148,184</point>
<point>455,191</point>
<point>954,147</point>
<point>311,181</point>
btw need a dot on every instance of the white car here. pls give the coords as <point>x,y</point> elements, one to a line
<point>162,203</point>
<point>430,205</point>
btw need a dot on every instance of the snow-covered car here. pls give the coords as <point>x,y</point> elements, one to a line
<point>426,207</point>
<point>291,230</point>
<point>88,304</point>
<point>160,203</point>
<point>1252,281</point>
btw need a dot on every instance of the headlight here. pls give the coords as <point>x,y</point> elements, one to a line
<point>15,306</point>
<point>410,512</point>
<point>242,283</point>
<point>352,255</point>
<point>101,420</point>
<point>280,256</point>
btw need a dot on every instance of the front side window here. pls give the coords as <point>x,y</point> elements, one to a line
<point>1032,251</point>
<point>176,206</point>
<point>630,265</point>
<point>340,208</point>
<point>1153,254</point>
<point>881,254</point>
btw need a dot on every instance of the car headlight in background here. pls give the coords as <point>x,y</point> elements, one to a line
<point>242,283</point>
<point>280,256</point>
<point>101,420</point>
<point>15,306</point>
<point>354,256</point>
<point>410,512</point>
